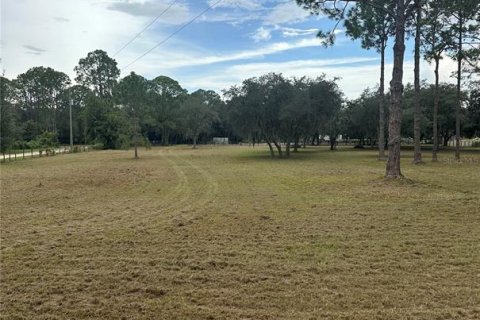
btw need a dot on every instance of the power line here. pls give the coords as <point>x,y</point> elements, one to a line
<point>146,27</point>
<point>172,34</point>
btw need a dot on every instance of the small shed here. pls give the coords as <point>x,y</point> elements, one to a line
<point>220,140</point>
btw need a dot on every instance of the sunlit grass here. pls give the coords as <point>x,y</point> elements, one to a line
<point>229,233</point>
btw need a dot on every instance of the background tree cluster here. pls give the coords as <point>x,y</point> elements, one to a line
<point>274,109</point>
<point>439,28</point>
<point>107,111</point>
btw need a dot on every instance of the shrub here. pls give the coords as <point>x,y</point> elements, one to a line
<point>98,146</point>
<point>476,142</point>
<point>46,140</point>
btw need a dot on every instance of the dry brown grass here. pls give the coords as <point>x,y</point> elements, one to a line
<point>227,233</point>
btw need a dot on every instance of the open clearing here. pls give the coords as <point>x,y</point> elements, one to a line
<point>228,233</point>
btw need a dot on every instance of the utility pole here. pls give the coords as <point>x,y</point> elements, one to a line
<point>71,126</point>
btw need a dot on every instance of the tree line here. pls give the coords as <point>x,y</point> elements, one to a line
<point>439,28</point>
<point>132,111</point>
<point>285,113</point>
<point>106,111</point>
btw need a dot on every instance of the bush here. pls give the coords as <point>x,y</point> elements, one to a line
<point>46,140</point>
<point>476,142</point>
<point>98,146</point>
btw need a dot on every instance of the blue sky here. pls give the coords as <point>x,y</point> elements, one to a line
<point>234,40</point>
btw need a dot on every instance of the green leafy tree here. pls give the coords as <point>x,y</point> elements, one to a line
<point>242,111</point>
<point>77,96</point>
<point>417,115</point>
<point>98,72</point>
<point>168,96</point>
<point>472,125</point>
<point>360,117</point>
<point>435,40</point>
<point>276,110</point>
<point>46,140</point>
<point>108,126</point>
<point>400,10</point>
<point>373,25</point>
<point>463,17</point>
<point>326,101</point>
<point>295,113</point>
<point>198,114</point>
<point>9,132</point>
<point>39,95</point>
<point>131,93</point>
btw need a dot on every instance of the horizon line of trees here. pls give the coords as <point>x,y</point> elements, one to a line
<point>283,112</point>
<point>272,108</point>
<point>439,28</point>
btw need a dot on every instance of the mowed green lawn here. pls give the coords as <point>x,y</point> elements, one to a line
<point>228,233</point>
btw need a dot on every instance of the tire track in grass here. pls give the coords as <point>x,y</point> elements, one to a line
<point>205,199</point>
<point>188,197</point>
<point>177,196</point>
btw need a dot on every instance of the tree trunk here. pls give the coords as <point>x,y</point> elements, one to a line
<point>435,112</point>
<point>272,153</point>
<point>315,137</point>
<point>381,107</point>
<point>304,142</point>
<point>279,148</point>
<point>295,146</point>
<point>135,140</point>
<point>396,89</point>
<point>417,153</point>
<point>459,87</point>
<point>333,142</point>
<point>287,149</point>
<point>165,137</point>
<point>195,142</point>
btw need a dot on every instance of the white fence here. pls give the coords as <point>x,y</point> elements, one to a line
<point>463,142</point>
<point>31,153</point>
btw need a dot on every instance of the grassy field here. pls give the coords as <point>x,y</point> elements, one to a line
<point>228,233</point>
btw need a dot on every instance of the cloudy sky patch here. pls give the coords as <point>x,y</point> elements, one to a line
<point>234,40</point>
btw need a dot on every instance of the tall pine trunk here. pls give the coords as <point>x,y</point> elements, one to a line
<point>459,87</point>
<point>435,111</point>
<point>396,89</point>
<point>417,154</point>
<point>381,106</point>
<point>135,139</point>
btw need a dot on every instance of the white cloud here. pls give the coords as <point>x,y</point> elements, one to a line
<point>177,13</point>
<point>295,32</point>
<point>261,34</point>
<point>241,4</point>
<point>62,35</point>
<point>177,60</point>
<point>286,12</point>
<point>355,73</point>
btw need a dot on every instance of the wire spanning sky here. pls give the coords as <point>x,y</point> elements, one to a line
<point>232,41</point>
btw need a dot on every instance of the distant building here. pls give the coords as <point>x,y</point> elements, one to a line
<point>220,140</point>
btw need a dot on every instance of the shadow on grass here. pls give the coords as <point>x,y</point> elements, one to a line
<point>309,153</point>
